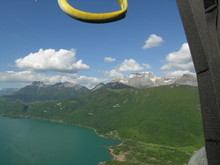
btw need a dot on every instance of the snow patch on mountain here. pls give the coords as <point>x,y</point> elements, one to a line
<point>149,79</point>
<point>144,80</point>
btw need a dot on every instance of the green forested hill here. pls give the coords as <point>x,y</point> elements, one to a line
<point>162,116</point>
<point>166,115</point>
<point>38,91</point>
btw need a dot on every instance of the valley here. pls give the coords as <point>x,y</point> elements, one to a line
<point>159,125</point>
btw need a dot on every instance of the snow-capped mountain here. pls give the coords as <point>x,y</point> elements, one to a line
<point>148,79</point>
<point>98,86</point>
<point>187,79</point>
<point>144,80</point>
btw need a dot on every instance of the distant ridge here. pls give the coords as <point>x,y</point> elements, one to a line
<point>38,90</point>
<point>97,86</point>
<point>8,91</point>
<point>187,79</point>
<point>148,79</point>
<point>114,85</point>
<point>59,91</point>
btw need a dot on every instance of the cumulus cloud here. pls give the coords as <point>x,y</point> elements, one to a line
<point>146,66</point>
<point>112,74</point>
<point>52,60</point>
<point>26,77</point>
<point>128,65</point>
<point>109,59</point>
<point>179,73</point>
<point>89,82</point>
<point>179,62</point>
<point>132,65</point>
<point>153,41</point>
<point>21,77</point>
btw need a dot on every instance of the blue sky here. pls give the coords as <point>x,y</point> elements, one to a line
<point>38,42</point>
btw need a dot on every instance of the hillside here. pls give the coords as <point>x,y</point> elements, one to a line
<point>8,91</point>
<point>166,114</point>
<point>164,119</point>
<point>38,91</point>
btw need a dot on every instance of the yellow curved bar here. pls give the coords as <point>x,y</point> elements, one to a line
<point>94,17</point>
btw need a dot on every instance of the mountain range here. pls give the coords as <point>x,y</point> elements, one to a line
<point>70,90</point>
<point>8,91</point>
<point>67,90</point>
<point>42,92</point>
<point>149,79</point>
<point>158,119</point>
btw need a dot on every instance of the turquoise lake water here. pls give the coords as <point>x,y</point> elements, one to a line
<point>41,142</point>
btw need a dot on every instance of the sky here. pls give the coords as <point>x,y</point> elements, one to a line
<point>39,42</point>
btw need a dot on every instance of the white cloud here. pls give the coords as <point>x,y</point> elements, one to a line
<point>109,59</point>
<point>179,62</point>
<point>112,74</point>
<point>153,41</point>
<point>51,60</point>
<point>146,66</point>
<point>21,77</point>
<point>179,73</point>
<point>26,77</point>
<point>89,82</point>
<point>170,66</point>
<point>132,65</point>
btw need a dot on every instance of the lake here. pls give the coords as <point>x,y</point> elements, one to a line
<point>42,142</point>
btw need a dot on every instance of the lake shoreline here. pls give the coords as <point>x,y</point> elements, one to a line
<point>110,149</point>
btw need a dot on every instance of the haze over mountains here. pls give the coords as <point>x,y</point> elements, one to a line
<point>135,80</point>
<point>8,91</point>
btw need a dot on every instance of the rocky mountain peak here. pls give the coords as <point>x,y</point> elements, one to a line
<point>142,74</point>
<point>149,79</point>
<point>38,84</point>
<point>98,86</point>
<point>187,79</point>
<point>117,85</point>
<point>144,80</point>
<point>67,85</point>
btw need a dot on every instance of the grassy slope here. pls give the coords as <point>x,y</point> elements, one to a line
<point>156,117</point>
